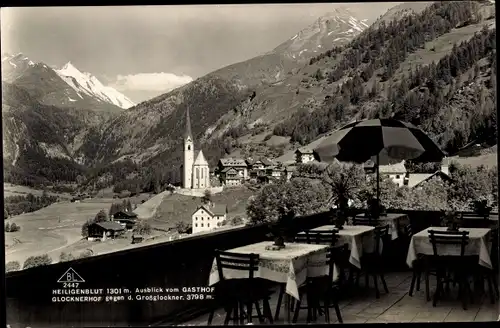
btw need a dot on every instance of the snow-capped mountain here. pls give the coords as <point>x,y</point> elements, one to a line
<point>66,87</point>
<point>86,83</point>
<point>335,28</point>
<point>14,65</point>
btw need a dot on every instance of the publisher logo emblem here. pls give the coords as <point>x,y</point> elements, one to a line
<point>70,276</point>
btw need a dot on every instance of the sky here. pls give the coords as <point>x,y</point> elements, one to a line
<point>144,51</point>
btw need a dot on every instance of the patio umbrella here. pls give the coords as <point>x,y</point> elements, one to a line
<point>387,138</point>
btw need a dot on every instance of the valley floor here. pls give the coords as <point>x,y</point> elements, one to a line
<point>57,228</point>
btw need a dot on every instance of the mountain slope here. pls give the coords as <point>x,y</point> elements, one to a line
<point>64,88</point>
<point>403,66</point>
<point>441,78</point>
<point>45,119</point>
<point>154,127</point>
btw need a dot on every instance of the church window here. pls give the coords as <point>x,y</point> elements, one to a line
<point>202,173</point>
<point>202,218</point>
<point>196,224</point>
<point>202,224</point>
<point>197,173</point>
<point>196,218</point>
<point>208,225</point>
<point>189,147</point>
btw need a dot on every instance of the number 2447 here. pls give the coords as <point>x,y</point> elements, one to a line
<point>71,285</point>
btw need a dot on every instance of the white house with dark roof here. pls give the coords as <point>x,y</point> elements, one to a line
<point>397,172</point>
<point>304,155</point>
<point>208,217</point>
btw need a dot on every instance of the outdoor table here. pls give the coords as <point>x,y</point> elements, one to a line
<point>478,245</point>
<point>290,266</point>
<point>396,222</point>
<point>359,238</point>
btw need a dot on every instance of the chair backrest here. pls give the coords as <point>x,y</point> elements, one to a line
<point>381,234</point>
<point>494,248</point>
<point>472,215</point>
<point>236,261</point>
<point>366,221</point>
<point>323,237</point>
<point>408,230</point>
<point>448,238</point>
<point>335,255</point>
<point>320,237</point>
<point>303,237</point>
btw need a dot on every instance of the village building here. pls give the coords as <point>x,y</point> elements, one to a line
<point>104,230</point>
<point>254,164</point>
<point>232,171</point>
<point>195,169</point>
<point>396,172</point>
<point>238,164</point>
<point>126,219</point>
<point>208,217</point>
<point>304,155</point>
<point>414,180</point>
<point>229,176</point>
<point>289,170</point>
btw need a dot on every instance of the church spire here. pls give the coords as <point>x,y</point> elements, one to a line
<point>188,133</point>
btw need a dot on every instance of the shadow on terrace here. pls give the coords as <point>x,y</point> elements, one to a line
<point>34,297</point>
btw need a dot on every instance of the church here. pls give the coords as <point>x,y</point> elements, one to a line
<point>194,171</point>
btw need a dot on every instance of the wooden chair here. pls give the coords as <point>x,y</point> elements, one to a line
<point>321,289</point>
<point>491,275</point>
<point>372,264</point>
<point>417,266</point>
<point>236,294</point>
<point>365,221</point>
<point>319,237</point>
<point>446,265</point>
<point>473,220</point>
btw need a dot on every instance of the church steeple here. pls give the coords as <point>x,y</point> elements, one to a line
<point>188,133</point>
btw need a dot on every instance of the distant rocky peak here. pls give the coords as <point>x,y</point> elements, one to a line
<point>334,28</point>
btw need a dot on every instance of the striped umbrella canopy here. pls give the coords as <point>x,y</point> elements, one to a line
<point>392,139</point>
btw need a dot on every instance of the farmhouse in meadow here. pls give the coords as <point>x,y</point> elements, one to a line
<point>104,230</point>
<point>208,217</point>
<point>125,219</point>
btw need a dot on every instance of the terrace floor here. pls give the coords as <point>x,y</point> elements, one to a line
<point>397,306</point>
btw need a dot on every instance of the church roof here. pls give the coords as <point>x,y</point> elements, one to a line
<point>188,133</point>
<point>200,158</point>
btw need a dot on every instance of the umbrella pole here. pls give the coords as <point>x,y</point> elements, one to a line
<point>378,179</point>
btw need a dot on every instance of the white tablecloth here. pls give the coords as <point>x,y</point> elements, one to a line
<point>360,239</point>
<point>291,265</point>
<point>478,245</point>
<point>396,222</point>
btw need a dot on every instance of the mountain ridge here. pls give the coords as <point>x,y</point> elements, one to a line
<point>225,89</point>
<point>66,87</point>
